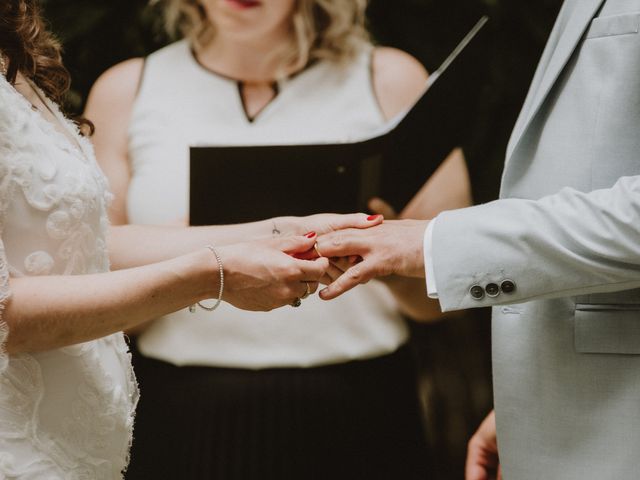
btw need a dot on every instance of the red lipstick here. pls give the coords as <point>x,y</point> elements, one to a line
<point>244,4</point>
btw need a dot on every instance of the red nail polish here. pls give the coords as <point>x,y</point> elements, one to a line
<point>310,234</point>
<point>371,218</point>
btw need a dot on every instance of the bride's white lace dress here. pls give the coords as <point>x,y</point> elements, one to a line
<point>64,414</point>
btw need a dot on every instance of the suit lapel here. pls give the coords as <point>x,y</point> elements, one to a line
<point>572,23</point>
<point>549,48</point>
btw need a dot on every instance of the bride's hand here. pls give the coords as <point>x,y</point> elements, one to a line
<point>324,223</point>
<point>264,275</point>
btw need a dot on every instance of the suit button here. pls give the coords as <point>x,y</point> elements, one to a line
<point>477,292</point>
<point>508,286</point>
<point>492,289</point>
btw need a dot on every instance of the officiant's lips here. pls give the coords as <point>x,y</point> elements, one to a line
<point>243,4</point>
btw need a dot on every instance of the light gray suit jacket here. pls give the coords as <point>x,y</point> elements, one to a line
<point>558,257</point>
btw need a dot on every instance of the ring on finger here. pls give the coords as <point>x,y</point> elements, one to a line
<point>296,303</point>
<point>308,292</point>
<point>315,247</point>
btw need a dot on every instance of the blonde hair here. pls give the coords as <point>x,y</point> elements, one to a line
<point>331,30</point>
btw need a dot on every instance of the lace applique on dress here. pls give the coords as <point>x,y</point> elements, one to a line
<point>5,293</point>
<point>67,413</point>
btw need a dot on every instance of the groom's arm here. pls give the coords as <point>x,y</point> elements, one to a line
<point>570,243</point>
<point>565,244</point>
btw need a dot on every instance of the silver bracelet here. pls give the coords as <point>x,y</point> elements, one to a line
<point>192,308</point>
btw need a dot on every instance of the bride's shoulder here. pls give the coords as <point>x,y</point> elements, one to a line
<point>8,99</point>
<point>13,115</point>
<point>23,132</point>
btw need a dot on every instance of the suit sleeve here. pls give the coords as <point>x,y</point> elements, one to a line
<point>514,250</point>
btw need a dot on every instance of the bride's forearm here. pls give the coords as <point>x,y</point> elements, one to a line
<point>136,245</point>
<point>53,311</point>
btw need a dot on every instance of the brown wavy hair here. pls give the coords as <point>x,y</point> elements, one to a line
<point>35,52</point>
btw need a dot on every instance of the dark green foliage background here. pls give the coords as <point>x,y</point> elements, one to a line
<point>454,355</point>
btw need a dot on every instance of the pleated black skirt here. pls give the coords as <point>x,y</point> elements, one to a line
<point>357,420</point>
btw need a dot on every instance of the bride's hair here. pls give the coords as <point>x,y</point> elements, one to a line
<point>31,48</point>
<point>322,29</point>
<point>34,51</point>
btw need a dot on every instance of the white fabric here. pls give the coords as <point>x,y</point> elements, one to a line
<point>180,103</point>
<point>432,287</point>
<point>67,413</point>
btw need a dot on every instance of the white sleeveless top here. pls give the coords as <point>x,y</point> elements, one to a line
<point>65,414</point>
<point>180,104</point>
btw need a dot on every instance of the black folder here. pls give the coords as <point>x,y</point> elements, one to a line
<point>234,184</point>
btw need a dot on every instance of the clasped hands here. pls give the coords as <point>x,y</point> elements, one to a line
<point>339,251</point>
<point>357,255</point>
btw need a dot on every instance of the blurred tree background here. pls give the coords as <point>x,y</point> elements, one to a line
<point>454,355</point>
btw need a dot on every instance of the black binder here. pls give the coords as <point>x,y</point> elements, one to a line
<point>234,184</point>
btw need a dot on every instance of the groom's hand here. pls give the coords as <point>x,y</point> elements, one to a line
<point>394,247</point>
<point>482,454</point>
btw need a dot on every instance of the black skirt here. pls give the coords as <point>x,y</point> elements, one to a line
<point>356,420</point>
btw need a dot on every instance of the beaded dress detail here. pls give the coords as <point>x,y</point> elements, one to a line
<point>65,414</point>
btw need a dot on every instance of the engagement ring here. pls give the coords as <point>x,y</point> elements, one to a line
<point>308,292</point>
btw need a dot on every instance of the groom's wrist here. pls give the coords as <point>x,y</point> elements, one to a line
<point>410,261</point>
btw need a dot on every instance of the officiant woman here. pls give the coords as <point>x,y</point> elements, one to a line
<point>326,390</point>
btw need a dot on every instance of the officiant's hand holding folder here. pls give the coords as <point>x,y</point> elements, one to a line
<point>258,182</point>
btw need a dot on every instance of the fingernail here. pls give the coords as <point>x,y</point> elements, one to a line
<point>324,291</point>
<point>371,218</point>
<point>310,234</point>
